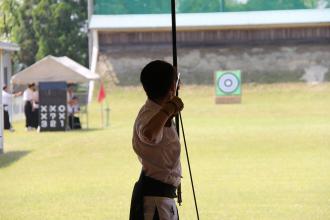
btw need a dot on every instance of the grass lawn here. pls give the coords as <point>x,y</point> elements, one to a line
<point>267,158</point>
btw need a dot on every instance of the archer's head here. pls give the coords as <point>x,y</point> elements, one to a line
<point>159,80</point>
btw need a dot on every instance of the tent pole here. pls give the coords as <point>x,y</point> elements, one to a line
<point>1,105</point>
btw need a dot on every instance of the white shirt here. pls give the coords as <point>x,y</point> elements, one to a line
<point>6,98</point>
<point>73,109</point>
<point>28,95</point>
<point>160,158</point>
<point>35,98</point>
<point>69,96</point>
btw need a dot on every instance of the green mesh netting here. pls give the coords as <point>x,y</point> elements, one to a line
<point>190,6</point>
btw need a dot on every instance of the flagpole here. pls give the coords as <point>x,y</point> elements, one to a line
<point>100,99</point>
<point>107,110</point>
<point>107,116</point>
<point>102,117</point>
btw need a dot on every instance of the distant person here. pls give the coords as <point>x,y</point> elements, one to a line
<point>69,92</point>
<point>6,102</point>
<point>73,109</point>
<point>35,108</point>
<point>157,145</point>
<point>28,106</point>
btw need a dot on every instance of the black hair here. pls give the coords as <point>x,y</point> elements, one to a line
<point>31,85</point>
<point>156,78</point>
<point>4,87</point>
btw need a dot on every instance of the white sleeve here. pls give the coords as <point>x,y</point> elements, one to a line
<point>25,95</point>
<point>142,121</point>
<point>7,95</point>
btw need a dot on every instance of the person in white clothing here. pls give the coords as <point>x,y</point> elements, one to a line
<point>69,92</point>
<point>35,108</point>
<point>157,145</point>
<point>28,102</point>
<point>73,109</point>
<point>6,102</point>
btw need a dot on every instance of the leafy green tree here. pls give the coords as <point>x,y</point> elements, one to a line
<point>60,27</point>
<point>7,17</point>
<point>23,34</point>
<point>44,27</point>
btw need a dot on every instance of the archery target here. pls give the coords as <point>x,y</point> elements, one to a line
<point>228,83</point>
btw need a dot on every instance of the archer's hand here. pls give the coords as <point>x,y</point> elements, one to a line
<point>173,106</point>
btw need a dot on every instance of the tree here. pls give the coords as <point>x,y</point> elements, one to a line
<point>7,17</point>
<point>44,27</point>
<point>60,27</point>
<point>23,34</point>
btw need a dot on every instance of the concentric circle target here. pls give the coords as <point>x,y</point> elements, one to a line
<point>228,83</point>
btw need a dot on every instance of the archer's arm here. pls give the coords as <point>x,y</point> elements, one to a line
<point>158,121</point>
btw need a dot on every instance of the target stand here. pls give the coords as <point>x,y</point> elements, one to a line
<point>228,87</point>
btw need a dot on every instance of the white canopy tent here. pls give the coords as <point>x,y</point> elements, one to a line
<point>53,69</point>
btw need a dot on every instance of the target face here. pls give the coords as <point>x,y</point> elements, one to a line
<point>228,83</point>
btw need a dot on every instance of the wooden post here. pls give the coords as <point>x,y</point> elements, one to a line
<point>102,116</point>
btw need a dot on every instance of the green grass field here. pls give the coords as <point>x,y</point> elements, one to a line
<point>267,158</point>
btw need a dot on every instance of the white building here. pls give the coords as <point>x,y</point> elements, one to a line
<point>269,45</point>
<point>5,74</point>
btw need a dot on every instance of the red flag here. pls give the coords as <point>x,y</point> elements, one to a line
<point>101,95</point>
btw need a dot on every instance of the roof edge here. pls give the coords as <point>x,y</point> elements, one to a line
<point>9,46</point>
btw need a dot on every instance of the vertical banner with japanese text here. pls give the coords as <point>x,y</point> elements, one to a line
<point>52,106</point>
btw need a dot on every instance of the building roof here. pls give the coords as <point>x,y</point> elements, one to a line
<point>9,46</point>
<point>219,20</point>
<point>51,69</point>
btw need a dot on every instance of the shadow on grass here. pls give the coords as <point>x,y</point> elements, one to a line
<point>74,130</point>
<point>6,159</point>
<point>86,130</point>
